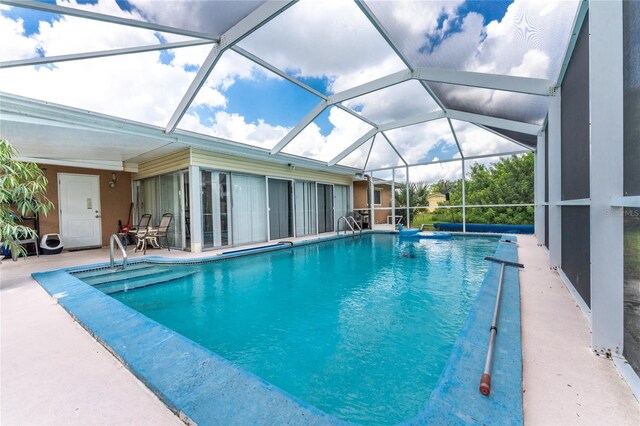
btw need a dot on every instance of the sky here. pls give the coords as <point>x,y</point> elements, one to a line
<point>328,45</point>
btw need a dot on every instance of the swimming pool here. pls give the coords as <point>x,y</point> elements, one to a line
<point>359,328</point>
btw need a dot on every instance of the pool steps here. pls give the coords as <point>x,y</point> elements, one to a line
<point>105,271</point>
<point>136,276</point>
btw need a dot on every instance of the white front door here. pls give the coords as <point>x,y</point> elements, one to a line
<point>79,201</point>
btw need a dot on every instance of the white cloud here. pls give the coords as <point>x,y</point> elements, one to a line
<point>311,143</point>
<point>504,46</point>
<point>394,103</point>
<point>421,140</point>
<point>136,86</point>
<point>13,43</point>
<point>234,127</point>
<point>331,39</point>
<point>208,16</point>
<point>431,173</point>
<point>477,141</point>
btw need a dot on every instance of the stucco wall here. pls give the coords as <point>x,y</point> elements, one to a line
<point>114,202</point>
<point>360,199</point>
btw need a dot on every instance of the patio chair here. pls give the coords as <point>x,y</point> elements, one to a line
<point>154,236</point>
<point>356,216</point>
<point>141,232</point>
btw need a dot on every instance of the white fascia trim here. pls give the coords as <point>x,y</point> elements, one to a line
<point>89,164</point>
<point>80,13</point>
<point>508,83</point>
<point>40,111</point>
<point>214,144</point>
<point>500,123</point>
<point>101,53</point>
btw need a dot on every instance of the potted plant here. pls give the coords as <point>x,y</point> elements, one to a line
<point>22,191</point>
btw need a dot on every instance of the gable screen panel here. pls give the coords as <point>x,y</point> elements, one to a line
<point>575,121</point>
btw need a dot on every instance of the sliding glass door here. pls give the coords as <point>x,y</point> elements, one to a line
<point>305,206</point>
<point>341,204</point>
<point>171,202</point>
<point>160,195</point>
<point>325,208</point>
<point>280,209</point>
<point>215,209</point>
<point>249,209</point>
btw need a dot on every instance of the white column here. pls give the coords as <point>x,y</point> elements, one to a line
<point>408,202</point>
<point>393,196</point>
<point>555,218</point>
<point>464,199</point>
<point>372,217</point>
<point>606,174</point>
<point>195,208</point>
<point>539,185</point>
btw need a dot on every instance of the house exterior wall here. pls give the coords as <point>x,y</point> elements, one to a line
<point>360,195</point>
<point>166,164</point>
<point>360,189</point>
<point>181,160</point>
<point>385,201</point>
<point>225,162</point>
<point>434,200</point>
<point>114,202</point>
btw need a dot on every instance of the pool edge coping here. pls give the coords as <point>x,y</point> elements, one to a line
<point>73,294</point>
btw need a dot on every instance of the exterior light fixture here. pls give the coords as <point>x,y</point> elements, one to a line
<point>112,182</point>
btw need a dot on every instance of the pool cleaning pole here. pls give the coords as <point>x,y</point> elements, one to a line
<point>485,382</point>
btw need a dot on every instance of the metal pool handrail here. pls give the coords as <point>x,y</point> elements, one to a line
<point>485,382</point>
<point>114,237</point>
<point>346,220</point>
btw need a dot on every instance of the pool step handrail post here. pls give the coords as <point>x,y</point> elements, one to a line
<point>485,381</point>
<point>355,224</point>
<point>114,239</point>
<point>348,220</point>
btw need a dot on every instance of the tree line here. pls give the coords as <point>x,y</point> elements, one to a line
<point>507,181</point>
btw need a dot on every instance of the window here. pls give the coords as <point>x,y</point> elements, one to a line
<point>377,196</point>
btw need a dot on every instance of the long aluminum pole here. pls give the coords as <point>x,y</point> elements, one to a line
<point>485,383</point>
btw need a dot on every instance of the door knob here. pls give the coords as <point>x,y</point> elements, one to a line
<point>97,216</point>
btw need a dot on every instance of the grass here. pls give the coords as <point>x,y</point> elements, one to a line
<point>428,218</point>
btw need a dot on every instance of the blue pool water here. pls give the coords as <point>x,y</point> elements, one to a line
<point>360,328</point>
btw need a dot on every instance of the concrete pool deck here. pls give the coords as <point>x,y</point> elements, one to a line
<point>53,372</point>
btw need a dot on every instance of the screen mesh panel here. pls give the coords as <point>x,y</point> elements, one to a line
<point>631,34</point>
<point>576,250</point>
<point>575,121</point>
